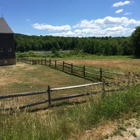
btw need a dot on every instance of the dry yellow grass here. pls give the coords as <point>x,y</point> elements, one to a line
<point>128,65</point>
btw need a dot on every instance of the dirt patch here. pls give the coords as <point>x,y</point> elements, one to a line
<point>126,130</point>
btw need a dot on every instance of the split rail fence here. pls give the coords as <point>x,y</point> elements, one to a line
<point>89,73</point>
<point>48,92</point>
<point>95,75</point>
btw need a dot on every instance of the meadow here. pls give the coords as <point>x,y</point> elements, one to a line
<point>68,121</point>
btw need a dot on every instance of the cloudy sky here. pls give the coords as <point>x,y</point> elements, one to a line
<point>76,18</point>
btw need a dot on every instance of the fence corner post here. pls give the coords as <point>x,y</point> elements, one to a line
<point>49,95</point>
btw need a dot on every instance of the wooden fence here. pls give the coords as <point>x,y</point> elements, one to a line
<point>49,99</point>
<point>89,73</point>
<point>81,71</point>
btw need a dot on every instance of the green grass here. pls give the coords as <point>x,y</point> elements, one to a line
<point>89,56</point>
<point>72,56</point>
<point>67,122</point>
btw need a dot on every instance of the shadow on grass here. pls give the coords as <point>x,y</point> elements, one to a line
<point>30,109</point>
<point>56,105</point>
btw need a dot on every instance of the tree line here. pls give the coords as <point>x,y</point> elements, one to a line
<point>91,45</point>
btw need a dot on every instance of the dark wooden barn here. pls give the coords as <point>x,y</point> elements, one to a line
<point>7,45</point>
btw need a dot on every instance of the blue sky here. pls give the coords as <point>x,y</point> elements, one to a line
<point>76,18</point>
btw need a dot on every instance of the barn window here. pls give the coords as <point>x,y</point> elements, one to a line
<point>9,49</point>
<point>1,49</point>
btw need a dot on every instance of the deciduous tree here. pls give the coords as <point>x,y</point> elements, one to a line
<point>135,38</point>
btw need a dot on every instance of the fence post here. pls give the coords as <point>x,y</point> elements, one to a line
<point>41,61</point>
<point>128,76</point>
<point>103,89</point>
<point>45,61</point>
<point>55,64</point>
<point>84,71</point>
<point>101,74</point>
<point>49,95</point>
<point>50,62</point>
<point>63,65</point>
<point>71,68</point>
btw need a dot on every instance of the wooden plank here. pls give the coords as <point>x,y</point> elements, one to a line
<point>77,86</point>
<point>22,94</point>
<point>93,69</point>
<point>67,66</point>
<point>78,70</point>
<point>25,106</point>
<point>75,96</point>
<point>78,66</point>
<point>66,63</point>
<point>115,73</point>
<point>55,99</point>
<point>92,73</point>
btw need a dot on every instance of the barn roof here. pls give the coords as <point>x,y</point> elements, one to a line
<point>4,27</point>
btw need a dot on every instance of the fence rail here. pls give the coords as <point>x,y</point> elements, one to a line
<point>77,86</point>
<point>49,92</point>
<point>22,94</point>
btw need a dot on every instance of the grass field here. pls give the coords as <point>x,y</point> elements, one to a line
<point>118,64</point>
<point>25,77</point>
<point>71,120</point>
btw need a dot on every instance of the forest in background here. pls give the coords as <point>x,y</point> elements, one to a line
<point>91,45</point>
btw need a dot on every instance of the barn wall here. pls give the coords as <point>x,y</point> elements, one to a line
<point>6,43</point>
<point>7,49</point>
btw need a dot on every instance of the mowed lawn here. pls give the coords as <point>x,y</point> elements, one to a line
<point>25,77</point>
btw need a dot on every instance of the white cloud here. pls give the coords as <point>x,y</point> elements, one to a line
<point>51,28</point>
<point>86,23</point>
<point>118,30</point>
<point>110,31</point>
<point>120,3</point>
<point>68,33</point>
<point>129,13</point>
<point>119,11</point>
<point>107,21</point>
<point>107,26</point>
